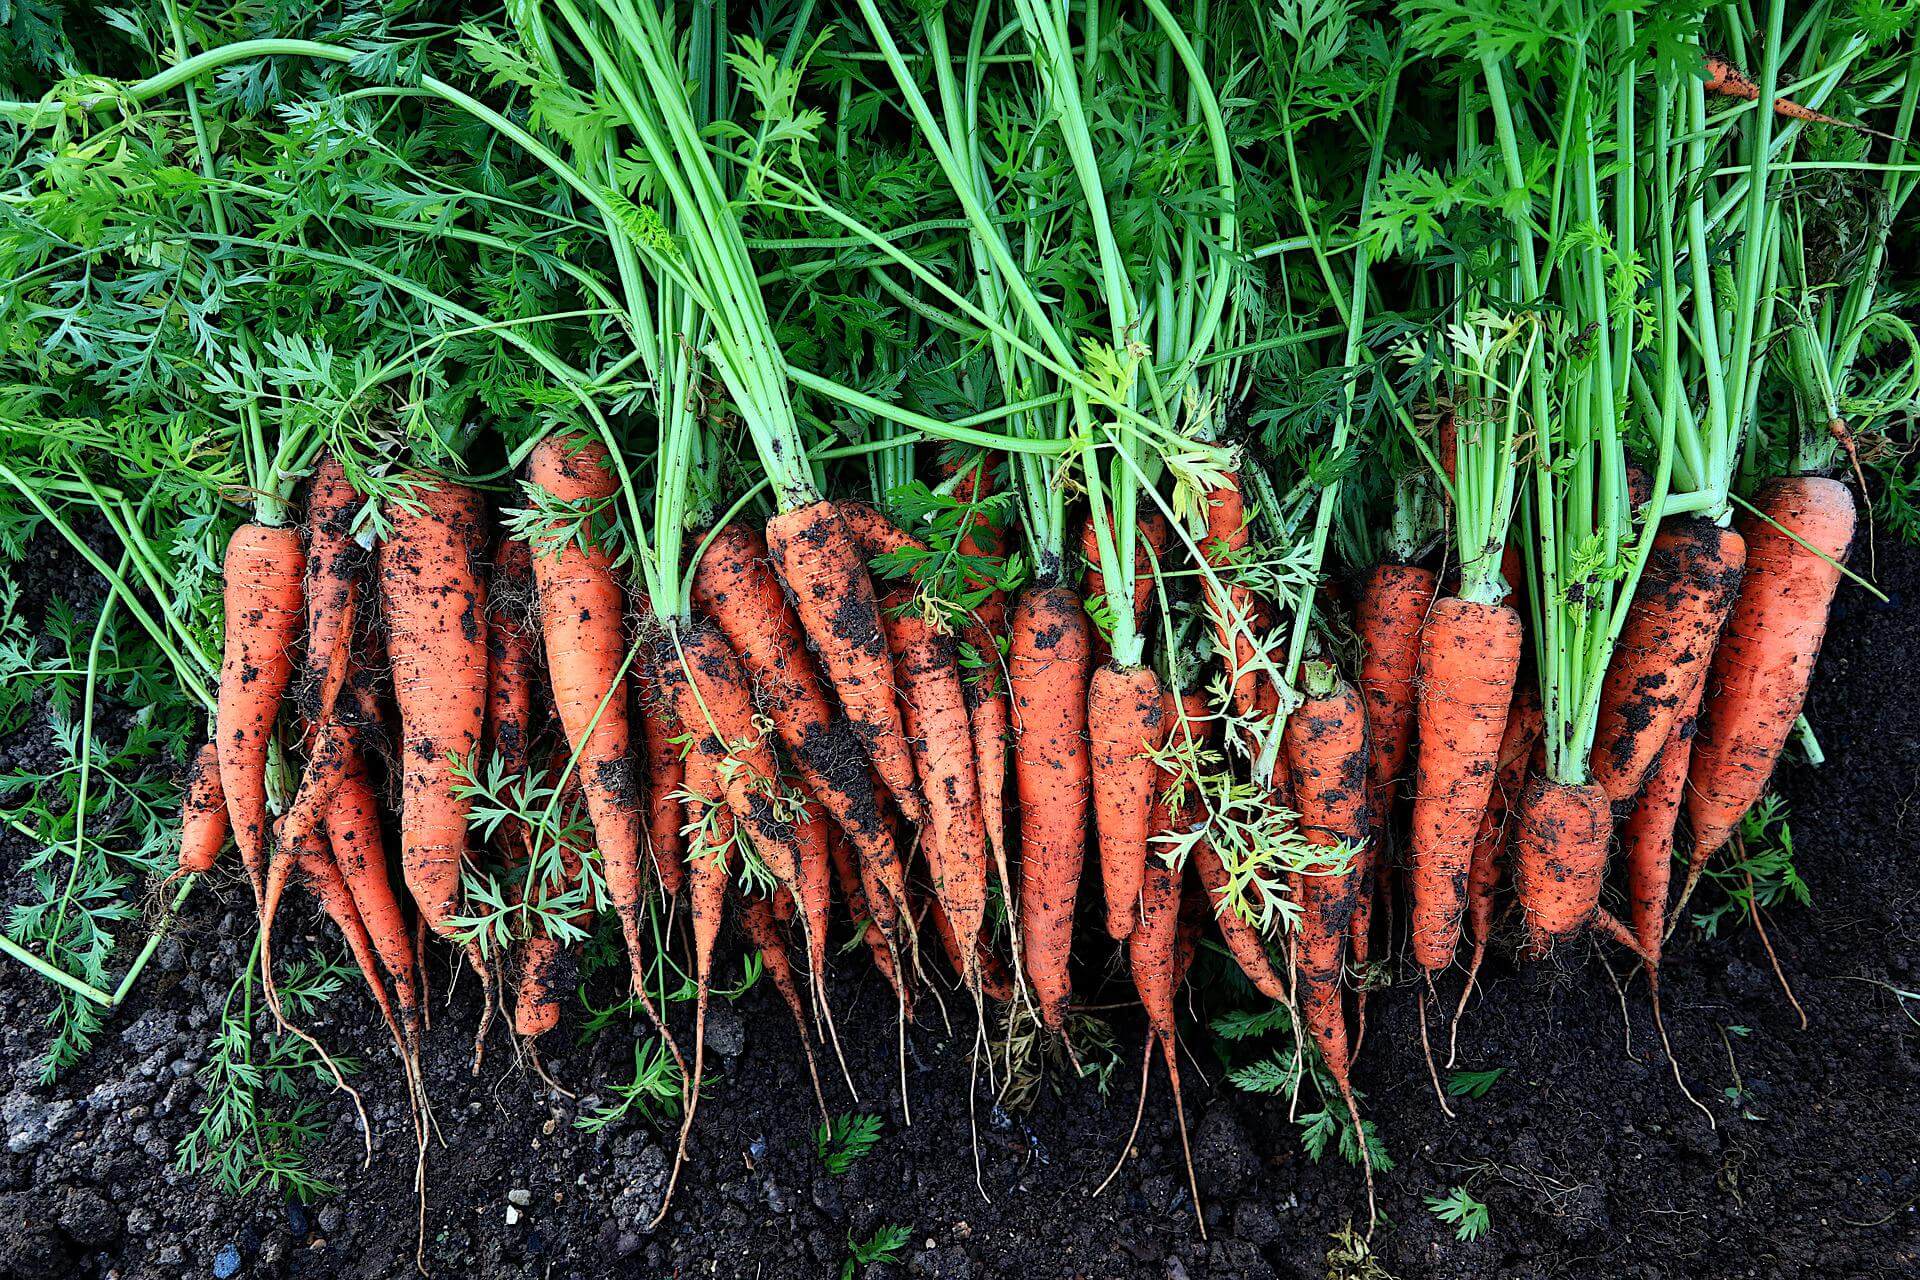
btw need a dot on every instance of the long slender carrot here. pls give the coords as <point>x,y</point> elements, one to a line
<point>1048,668</point>
<point>203,814</point>
<point>1394,602</point>
<point>1724,78</point>
<point>359,851</point>
<point>1561,859</point>
<point>820,561</point>
<point>942,743</point>
<point>735,586</point>
<point>324,881</point>
<point>1231,612</point>
<point>1126,723</point>
<point>435,607</point>
<point>1661,658</point>
<point>1758,681</point>
<point>335,563</point>
<point>666,770</point>
<point>1469,659</point>
<point>1326,741</point>
<point>1647,836</point>
<point>264,570</point>
<point>582,619</point>
<point>710,827</point>
<point>985,684</point>
<point>513,660</point>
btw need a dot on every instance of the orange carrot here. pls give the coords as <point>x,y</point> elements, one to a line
<point>1232,613</point>
<point>1758,682</point>
<point>819,559</point>
<point>1724,78</point>
<point>1327,754</point>
<point>995,983</point>
<point>1248,947</point>
<point>330,891</point>
<point>1152,955</point>
<point>264,568</point>
<point>359,851</point>
<point>942,743</point>
<point>735,586</point>
<point>512,659</point>
<point>1662,655</point>
<point>334,565</point>
<point>861,914</point>
<point>1469,659</point>
<point>1153,533</point>
<point>985,685</point>
<point>1126,723</point>
<point>1048,666</point>
<point>666,770</point>
<point>1394,601</point>
<point>1561,859</point>
<point>435,608</point>
<point>582,619</point>
<point>203,814</point>
<point>1646,837</point>
<point>815,881</point>
<point>710,831</point>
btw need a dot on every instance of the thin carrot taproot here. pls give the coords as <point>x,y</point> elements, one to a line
<point>763,932</point>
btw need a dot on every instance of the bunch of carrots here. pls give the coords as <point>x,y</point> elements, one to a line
<point>1378,538</point>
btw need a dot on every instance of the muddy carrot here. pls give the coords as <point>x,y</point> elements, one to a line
<point>264,571</point>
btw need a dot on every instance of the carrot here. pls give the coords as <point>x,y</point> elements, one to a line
<point>435,605</point>
<point>1724,78</point>
<point>1047,665</point>
<point>203,814</point>
<point>1686,591</point>
<point>1517,742</point>
<point>299,829</point>
<point>735,586</point>
<point>1244,942</point>
<point>264,568</point>
<point>1758,681</point>
<point>666,770</point>
<point>582,619</point>
<point>359,851</point>
<point>1561,858</point>
<point>942,742</point>
<point>1327,754</point>
<point>985,685</point>
<point>1153,533</point>
<point>1394,602</point>
<point>330,891</point>
<point>1469,659</point>
<point>334,565</point>
<point>763,931</point>
<point>815,880</point>
<point>1232,614</point>
<point>1186,940</point>
<point>512,660</point>
<point>1152,951</point>
<point>709,693</point>
<point>1646,837</point>
<point>1126,723</point>
<point>818,558</point>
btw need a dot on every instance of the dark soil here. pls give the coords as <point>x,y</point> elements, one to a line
<point>1590,1159</point>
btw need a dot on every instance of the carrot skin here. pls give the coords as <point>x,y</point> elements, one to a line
<point>203,813</point>
<point>1469,660</point>
<point>857,909</point>
<point>1232,613</point>
<point>736,587</point>
<point>1561,859</point>
<point>1685,594</point>
<point>818,558</point>
<point>942,744</point>
<point>1126,722</point>
<point>263,592</point>
<point>435,607</point>
<point>1758,681</point>
<point>1051,648</point>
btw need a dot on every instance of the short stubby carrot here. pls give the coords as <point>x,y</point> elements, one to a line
<point>819,559</point>
<point>1560,861</point>
<point>583,622</point>
<point>203,814</point>
<point>941,739</point>
<point>734,585</point>
<point>263,593</point>
<point>1758,681</point>
<point>1469,660</point>
<point>1126,724</point>
<point>1686,591</point>
<point>1051,648</point>
<point>435,606</point>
